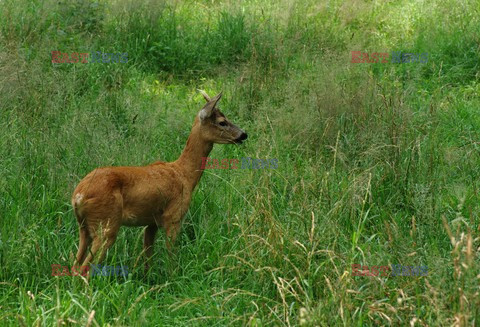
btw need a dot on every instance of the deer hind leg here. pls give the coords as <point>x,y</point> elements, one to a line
<point>84,236</point>
<point>103,238</point>
<point>103,233</point>
<point>103,223</point>
<point>84,243</point>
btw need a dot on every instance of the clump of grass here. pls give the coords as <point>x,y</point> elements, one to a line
<point>179,39</point>
<point>80,16</point>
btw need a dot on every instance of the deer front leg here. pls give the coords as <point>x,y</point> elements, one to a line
<point>172,230</point>
<point>172,227</point>
<point>172,222</point>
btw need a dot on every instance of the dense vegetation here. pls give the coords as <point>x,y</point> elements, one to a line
<point>378,163</point>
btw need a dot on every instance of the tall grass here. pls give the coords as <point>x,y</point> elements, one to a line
<point>378,163</point>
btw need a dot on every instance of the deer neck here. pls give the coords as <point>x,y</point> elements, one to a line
<point>190,161</point>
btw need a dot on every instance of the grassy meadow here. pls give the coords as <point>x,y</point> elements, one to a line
<point>378,163</point>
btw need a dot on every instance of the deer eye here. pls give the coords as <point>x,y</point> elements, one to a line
<point>222,123</point>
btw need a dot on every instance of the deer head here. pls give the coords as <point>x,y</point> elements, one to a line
<point>215,127</point>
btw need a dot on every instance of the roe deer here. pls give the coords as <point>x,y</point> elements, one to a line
<point>155,196</point>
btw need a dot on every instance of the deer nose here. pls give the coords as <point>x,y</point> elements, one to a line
<point>243,136</point>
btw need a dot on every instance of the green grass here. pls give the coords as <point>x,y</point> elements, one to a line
<point>378,163</point>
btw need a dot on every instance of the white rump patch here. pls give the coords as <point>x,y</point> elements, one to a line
<point>78,199</point>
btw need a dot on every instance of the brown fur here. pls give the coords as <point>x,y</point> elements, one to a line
<point>155,196</point>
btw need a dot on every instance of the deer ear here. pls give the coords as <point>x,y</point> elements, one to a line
<point>207,110</point>
<point>205,95</point>
<point>217,98</point>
